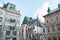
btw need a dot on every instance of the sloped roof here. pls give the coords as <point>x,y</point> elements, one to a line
<point>29,20</point>
<point>52,11</point>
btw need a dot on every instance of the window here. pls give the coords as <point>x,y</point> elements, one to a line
<point>47,21</point>
<point>49,38</point>
<point>1,12</point>
<point>48,29</point>
<point>0,27</point>
<point>52,27</point>
<point>54,38</point>
<point>58,28</point>
<point>14,38</point>
<point>0,19</point>
<point>7,32</point>
<point>51,19</point>
<point>57,18</point>
<point>9,7</point>
<point>44,30</point>
<point>53,30</point>
<point>14,32</point>
<point>7,38</point>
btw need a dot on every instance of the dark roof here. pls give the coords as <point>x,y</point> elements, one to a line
<point>52,11</point>
<point>29,20</point>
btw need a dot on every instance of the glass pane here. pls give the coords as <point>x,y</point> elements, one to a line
<point>1,12</point>
<point>0,19</point>
<point>14,32</point>
<point>7,38</point>
<point>14,38</point>
<point>7,32</point>
<point>49,38</point>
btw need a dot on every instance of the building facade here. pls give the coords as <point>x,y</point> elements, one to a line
<point>27,29</point>
<point>9,22</point>
<point>51,28</point>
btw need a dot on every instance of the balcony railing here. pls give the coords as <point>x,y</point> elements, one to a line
<point>12,20</point>
<point>12,26</point>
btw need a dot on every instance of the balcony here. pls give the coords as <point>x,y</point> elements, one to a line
<point>12,20</point>
<point>12,26</point>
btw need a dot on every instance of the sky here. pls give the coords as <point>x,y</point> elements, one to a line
<point>33,8</point>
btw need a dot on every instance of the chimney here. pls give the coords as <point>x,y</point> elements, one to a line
<point>59,5</point>
<point>48,9</point>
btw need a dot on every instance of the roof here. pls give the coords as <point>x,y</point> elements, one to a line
<point>52,11</point>
<point>29,20</point>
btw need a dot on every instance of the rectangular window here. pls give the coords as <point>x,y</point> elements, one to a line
<point>49,38</point>
<point>7,32</point>
<point>59,29</point>
<point>1,12</point>
<point>48,30</point>
<point>0,19</point>
<point>44,30</point>
<point>14,32</point>
<point>14,38</point>
<point>57,18</point>
<point>47,21</point>
<point>7,38</point>
<point>51,19</point>
<point>0,27</point>
<point>53,30</point>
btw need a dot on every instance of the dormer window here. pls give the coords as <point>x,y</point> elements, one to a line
<point>9,6</point>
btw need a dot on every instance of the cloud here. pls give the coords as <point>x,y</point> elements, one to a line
<point>41,11</point>
<point>1,4</point>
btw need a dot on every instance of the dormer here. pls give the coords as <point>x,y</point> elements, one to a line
<point>9,6</point>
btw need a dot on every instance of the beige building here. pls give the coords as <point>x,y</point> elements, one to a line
<point>27,29</point>
<point>51,29</point>
<point>9,22</point>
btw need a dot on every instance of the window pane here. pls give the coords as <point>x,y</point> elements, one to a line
<point>0,19</point>
<point>1,12</point>
<point>58,29</point>
<point>7,32</point>
<point>14,32</point>
<point>44,30</point>
<point>7,38</point>
<point>49,38</point>
<point>56,18</point>
<point>48,29</point>
<point>14,38</point>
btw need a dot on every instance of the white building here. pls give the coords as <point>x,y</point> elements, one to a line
<point>27,29</point>
<point>9,22</point>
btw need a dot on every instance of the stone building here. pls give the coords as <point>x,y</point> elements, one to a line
<point>51,29</point>
<point>27,29</point>
<point>9,22</point>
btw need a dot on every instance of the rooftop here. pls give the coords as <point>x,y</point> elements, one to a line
<point>52,11</point>
<point>29,20</point>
